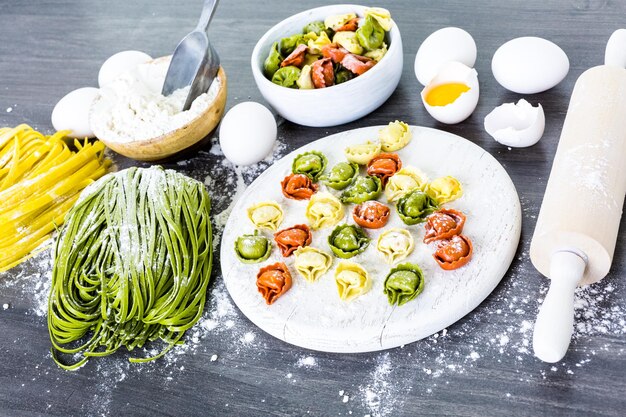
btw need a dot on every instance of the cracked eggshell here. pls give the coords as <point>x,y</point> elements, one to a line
<point>461,108</point>
<point>442,46</point>
<point>516,124</point>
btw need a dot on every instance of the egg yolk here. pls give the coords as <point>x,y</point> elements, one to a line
<point>444,94</point>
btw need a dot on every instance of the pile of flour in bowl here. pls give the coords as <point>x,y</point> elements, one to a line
<point>131,107</point>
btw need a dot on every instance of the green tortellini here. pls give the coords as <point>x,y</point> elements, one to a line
<point>403,283</point>
<point>370,35</point>
<point>347,241</point>
<point>288,44</point>
<point>362,189</point>
<point>317,27</point>
<point>287,76</point>
<point>272,62</point>
<point>341,175</point>
<point>254,248</point>
<point>415,206</point>
<point>342,75</point>
<point>349,41</point>
<point>312,164</point>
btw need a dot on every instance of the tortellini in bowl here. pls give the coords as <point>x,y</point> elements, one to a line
<point>284,64</point>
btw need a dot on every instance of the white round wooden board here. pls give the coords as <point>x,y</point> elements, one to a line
<point>312,315</point>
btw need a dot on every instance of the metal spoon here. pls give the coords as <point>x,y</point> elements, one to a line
<point>195,63</point>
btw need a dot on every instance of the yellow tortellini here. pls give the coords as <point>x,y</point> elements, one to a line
<point>352,280</point>
<point>363,153</point>
<point>316,44</point>
<point>334,22</point>
<point>324,210</point>
<point>312,263</point>
<point>305,82</point>
<point>349,41</point>
<point>377,54</point>
<point>395,136</point>
<point>266,215</point>
<point>395,244</point>
<point>407,179</point>
<point>444,189</point>
<point>382,16</point>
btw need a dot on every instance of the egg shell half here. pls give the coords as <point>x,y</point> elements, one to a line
<point>529,65</point>
<point>247,133</point>
<point>72,112</point>
<point>615,53</point>
<point>464,105</point>
<point>516,124</point>
<point>119,63</point>
<point>442,46</point>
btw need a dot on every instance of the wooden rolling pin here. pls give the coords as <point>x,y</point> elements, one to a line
<point>577,227</point>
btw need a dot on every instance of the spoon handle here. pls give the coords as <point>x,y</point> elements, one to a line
<point>207,14</point>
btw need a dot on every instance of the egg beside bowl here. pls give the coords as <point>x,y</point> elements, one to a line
<point>334,105</point>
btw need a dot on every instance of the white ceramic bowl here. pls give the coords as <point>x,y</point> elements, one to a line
<point>334,105</point>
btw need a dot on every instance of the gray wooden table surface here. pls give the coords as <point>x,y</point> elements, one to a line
<point>482,365</point>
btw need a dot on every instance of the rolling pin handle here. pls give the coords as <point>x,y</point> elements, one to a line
<point>555,321</point>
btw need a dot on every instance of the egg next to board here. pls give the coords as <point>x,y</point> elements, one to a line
<point>529,65</point>
<point>72,112</point>
<point>247,133</point>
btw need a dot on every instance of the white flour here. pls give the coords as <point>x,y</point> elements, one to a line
<point>131,107</point>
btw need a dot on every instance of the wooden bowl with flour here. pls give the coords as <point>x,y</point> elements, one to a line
<point>131,117</point>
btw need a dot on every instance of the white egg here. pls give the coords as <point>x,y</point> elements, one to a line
<point>615,53</point>
<point>119,63</point>
<point>529,65</point>
<point>442,46</point>
<point>72,112</point>
<point>452,95</point>
<point>516,124</point>
<point>247,133</point>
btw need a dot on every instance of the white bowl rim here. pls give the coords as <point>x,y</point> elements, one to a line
<point>256,70</point>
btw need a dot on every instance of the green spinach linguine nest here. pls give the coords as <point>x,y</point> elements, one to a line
<point>131,264</point>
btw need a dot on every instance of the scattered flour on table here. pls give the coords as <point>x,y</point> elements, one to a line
<point>306,362</point>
